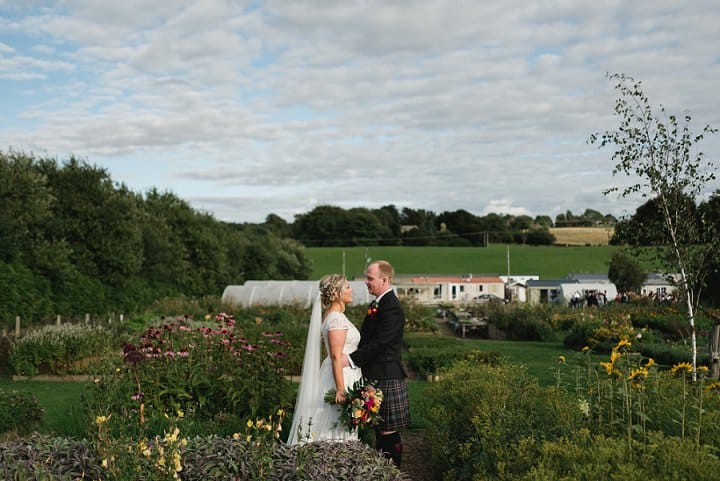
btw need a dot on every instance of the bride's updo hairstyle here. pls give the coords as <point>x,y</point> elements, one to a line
<point>331,287</point>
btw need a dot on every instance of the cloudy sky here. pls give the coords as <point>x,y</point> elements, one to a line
<point>246,108</point>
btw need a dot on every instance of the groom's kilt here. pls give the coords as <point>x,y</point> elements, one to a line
<point>395,408</point>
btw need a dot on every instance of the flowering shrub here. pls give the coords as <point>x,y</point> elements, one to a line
<point>56,349</point>
<point>212,373</point>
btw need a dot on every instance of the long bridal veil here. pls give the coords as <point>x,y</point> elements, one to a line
<point>309,398</point>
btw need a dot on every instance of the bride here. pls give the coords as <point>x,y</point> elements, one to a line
<point>314,419</point>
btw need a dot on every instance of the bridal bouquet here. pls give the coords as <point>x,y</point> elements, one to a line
<point>361,405</point>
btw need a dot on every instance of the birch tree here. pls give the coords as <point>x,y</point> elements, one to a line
<point>659,153</point>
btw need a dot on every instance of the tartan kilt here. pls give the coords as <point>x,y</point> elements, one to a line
<point>395,408</point>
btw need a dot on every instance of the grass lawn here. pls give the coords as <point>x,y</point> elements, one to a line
<point>60,400</point>
<point>548,262</point>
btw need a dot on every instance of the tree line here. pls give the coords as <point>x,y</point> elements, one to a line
<point>72,241</point>
<point>327,226</point>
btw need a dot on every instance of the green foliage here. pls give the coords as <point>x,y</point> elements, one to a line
<point>491,421</point>
<point>72,242</point>
<point>59,349</point>
<point>659,152</point>
<point>526,322</point>
<point>203,458</point>
<point>430,354</point>
<point>48,458</point>
<point>216,375</point>
<point>595,457</point>
<point>626,272</point>
<point>19,412</point>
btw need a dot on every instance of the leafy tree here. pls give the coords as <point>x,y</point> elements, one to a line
<point>626,272</point>
<point>424,221</point>
<point>543,221</point>
<point>521,222</point>
<point>463,224</point>
<point>278,225</point>
<point>25,202</point>
<point>659,153</point>
<point>536,237</point>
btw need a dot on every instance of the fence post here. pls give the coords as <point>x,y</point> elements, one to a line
<point>58,320</point>
<point>17,326</point>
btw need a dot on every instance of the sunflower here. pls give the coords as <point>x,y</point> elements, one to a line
<point>637,376</point>
<point>683,366</point>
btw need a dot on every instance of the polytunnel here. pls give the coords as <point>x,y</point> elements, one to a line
<point>275,293</point>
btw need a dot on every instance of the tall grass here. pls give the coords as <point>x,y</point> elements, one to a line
<point>548,262</point>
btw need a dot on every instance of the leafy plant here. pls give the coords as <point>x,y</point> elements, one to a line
<point>215,375</point>
<point>19,411</point>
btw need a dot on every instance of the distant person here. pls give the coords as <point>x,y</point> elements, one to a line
<point>314,419</point>
<point>378,354</point>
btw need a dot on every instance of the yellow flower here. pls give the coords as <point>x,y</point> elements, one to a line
<point>609,367</point>
<point>623,343</point>
<point>236,436</point>
<point>650,362</point>
<point>180,414</point>
<point>248,438</point>
<point>249,423</point>
<point>104,463</point>
<point>585,348</point>
<point>713,387</point>
<point>637,376</point>
<point>614,356</point>
<point>561,359</point>
<point>102,419</point>
<point>683,366</point>
<point>281,412</point>
<point>703,369</point>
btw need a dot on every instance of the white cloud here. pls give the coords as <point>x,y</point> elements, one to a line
<point>251,108</point>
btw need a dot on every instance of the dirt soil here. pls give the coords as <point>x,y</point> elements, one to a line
<point>416,456</point>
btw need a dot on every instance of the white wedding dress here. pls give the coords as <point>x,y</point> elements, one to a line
<point>314,419</point>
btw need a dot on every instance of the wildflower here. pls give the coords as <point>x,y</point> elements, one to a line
<point>623,343</point>
<point>249,423</point>
<point>584,406</point>
<point>102,419</point>
<point>703,369</point>
<point>585,348</point>
<point>683,366</point>
<point>608,366</point>
<point>637,376</point>
<point>713,388</point>
<point>561,359</point>
<point>649,363</point>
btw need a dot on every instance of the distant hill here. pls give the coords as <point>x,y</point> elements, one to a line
<point>582,236</point>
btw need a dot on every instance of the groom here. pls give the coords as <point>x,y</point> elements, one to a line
<point>378,354</point>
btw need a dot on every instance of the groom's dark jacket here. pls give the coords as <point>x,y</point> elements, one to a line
<point>381,340</point>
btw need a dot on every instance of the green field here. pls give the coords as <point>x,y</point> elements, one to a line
<point>548,262</point>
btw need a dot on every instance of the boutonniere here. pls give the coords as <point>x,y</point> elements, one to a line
<point>372,309</point>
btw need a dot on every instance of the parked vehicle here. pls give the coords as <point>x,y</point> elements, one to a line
<point>482,298</point>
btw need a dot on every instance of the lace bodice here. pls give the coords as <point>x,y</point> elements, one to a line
<point>338,320</point>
